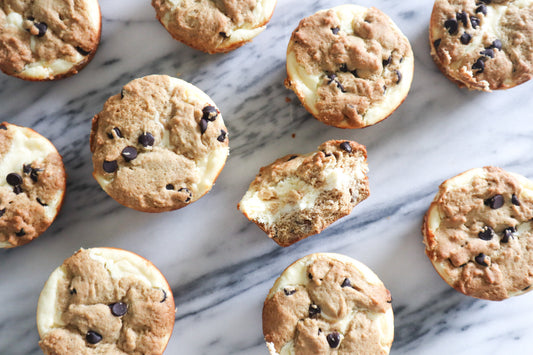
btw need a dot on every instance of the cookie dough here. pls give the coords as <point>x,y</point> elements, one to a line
<point>214,26</point>
<point>350,66</point>
<point>300,195</point>
<point>328,303</point>
<point>48,40</point>
<point>159,145</point>
<point>32,184</point>
<point>478,233</point>
<point>483,45</point>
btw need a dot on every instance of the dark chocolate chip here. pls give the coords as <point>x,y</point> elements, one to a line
<point>223,34</point>
<point>346,283</point>
<point>474,21</point>
<point>118,309</point>
<point>481,259</point>
<point>314,310</point>
<point>514,200</point>
<point>42,27</point>
<point>494,202</point>
<point>2,212</point>
<point>387,61</point>
<point>169,187</point>
<point>82,51</point>
<point>210,113</point>
<point>129,153</point>
<point>479,65</point>
<point>335,30</point>
<point>164,296</point>
<point>497,44</point>
<point>331,78</point>
<point>289,291</point>
<point>34,175</point>
<point>344,68</point>
<point>121,93</point>
<point>73,292</point>
<point>293,157</point>
<point>463,17</point>
<point>399,75</point>
<point>465,38</point>
<point>186,190</point>
<point>110,166</point>
<point>203,126</point>
<point>26,168</point>
<point>334,339</point>
<point>222,136</point>
<point>487,52</point>
<point>451,25</point>
<point>346,146</point>
<point>17,189</point>
<point>339,85</point>
<point>118,132</point>
<point>146,139</point>
<point>21,233</point>
<point>309,275</point>
<point>41,202</point>
<point>3,126</point>
<point>14,179</point>
<point>486,233</point>
<point>110,135</point>
<point>482,8</point>
<point>436,44</point>
<point>93,337</point>
<point>526,288</point>
<point>508,234</point>
<point>354,73</point>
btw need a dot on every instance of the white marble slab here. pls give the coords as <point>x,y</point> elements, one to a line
<point>219,265</point>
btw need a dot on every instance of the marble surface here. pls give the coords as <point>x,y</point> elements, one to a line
<point>219,265</point>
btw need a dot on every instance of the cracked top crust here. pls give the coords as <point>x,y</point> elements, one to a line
<point>159,145</point>
<point>32,184</point>
<point>478,233</point>
<point>214,26</point>
<point>105,301</point>
<point>350,66</point>
<point>483,45</point>
<point>328,304</point>
<point>48,40</point>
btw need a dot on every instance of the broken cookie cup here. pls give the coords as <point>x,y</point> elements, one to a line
<point>32,184</point>
<point>35,29</point>
<point>478,233</point>
<point>204,26</point>
<point>349,86</point>
<point>328,302</point>
<point>105,301</point>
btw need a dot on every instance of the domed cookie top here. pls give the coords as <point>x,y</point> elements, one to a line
<point>105,301</point>
<point>350,66</point>
<point>478,233</point>
<point>48,40</point>
<point>328,304</point>
<point>159,145</point>
<point>32,184</point>
<point>483,45</point>
<point>300,195</point>
<point>214,26</point>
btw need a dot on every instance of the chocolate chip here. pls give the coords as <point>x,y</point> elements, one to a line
<point>486,233</point>
<point>387,61</point>
<point>186,190</point>
<point>41,202</point>
<point>487,52</point>
<point>223,34</point>
<point>346,146</point>
<point>494,202</point>
<point>293,157</point>
<point>73,292</point>
<point>210,113</point>
<point>465,38</point>
<point>399,75</point>
<point>169,187</point>
<point>14,179</point>
<point>21,233</point>
<point>121,93</point>
<point>331,78</point>
<point>497,44</point>
<point>436,44</point>
<point>451,25</point>
<point>346,283</point>
<point>110,166</point>
<point>3,126</point>
<point>344,68</point>
<point>463,17</point>
<point>26,169</point>
<point>334,339</point>
<point>164,296</point>
<point>335,30</point>
<point>526,288</point>
<point>508,234</point>
<point>82,51</point>
<point>34,175</point>
<point>314,310</point>
<point>203,126</point>
<point>289,291</point>
<point>309,275</point>
<point>110,135</point>
<point>118,309</point>
<point>514,200</point>
<point>17,189</point>
<point>2,212</point>
<point>129,153</point>
<point>146,139</point>
<point>479,65</point>
<point>474,21</point>
<point>222,136</point>
<point>481,259</point>
<point>354,73</point>
<point>93,337</point>
<point>117,132</point>
<point>482,8</point>
<point>42,27</point>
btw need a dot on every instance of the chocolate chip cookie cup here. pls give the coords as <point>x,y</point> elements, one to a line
<point>483,45</point>
<point>328,303</point>
<point>48,40</point>
<point>350,66</point>
<point>105,301</point>
<point>300,195</point>
<point>478,233</point>
<point>159,145</point>
<point>32,184</point>
<point>214,27</point>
